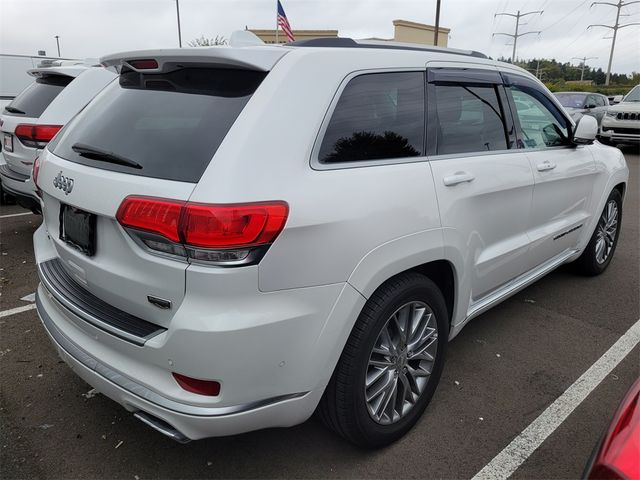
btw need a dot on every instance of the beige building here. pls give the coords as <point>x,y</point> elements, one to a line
<point>269,36</point>
<point>404,31</point>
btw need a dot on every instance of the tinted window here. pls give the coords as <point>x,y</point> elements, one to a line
<point>470,119</point>
<point>34,99</point>
<point>378,116</point>
<point>541,123</point>
<point>170,124</point>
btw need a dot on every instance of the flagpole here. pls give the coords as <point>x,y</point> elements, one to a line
<point>277,22</point>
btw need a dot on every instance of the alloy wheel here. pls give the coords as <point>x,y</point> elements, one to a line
<point>607,229</point>
<point>401,362</point>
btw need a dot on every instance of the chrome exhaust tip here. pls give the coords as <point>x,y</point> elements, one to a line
<point>161,426</point>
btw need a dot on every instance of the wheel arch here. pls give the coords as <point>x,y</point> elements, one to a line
<point>421,252</point>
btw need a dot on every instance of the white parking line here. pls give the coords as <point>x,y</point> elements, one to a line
<point>29,298</point>
<point>16,215</point>
<point>521,448</point>
<point>13,311</point>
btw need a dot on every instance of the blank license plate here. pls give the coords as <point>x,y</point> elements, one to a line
<point>78,229</point>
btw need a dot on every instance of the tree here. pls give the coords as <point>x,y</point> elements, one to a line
<point>599,77</point>
<point>208,42</point>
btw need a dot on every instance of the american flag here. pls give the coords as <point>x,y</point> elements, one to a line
<point>284,23</point>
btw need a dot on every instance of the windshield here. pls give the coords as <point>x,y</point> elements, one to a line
<point>165,125</point>
<point>571,100</point>
<point>633,95</point>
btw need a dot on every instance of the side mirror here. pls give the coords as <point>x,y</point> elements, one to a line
<point>590,106</point>
<point>586,131</point>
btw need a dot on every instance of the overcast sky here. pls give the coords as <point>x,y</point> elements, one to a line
<point>91,28</point>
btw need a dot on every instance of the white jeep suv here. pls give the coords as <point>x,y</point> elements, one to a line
<point>621,124</point>
<point>234,238</point>
<point>36,115</point>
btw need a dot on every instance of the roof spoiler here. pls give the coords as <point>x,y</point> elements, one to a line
<point>261,58</point>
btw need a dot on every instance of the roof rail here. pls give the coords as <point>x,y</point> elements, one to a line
<point>339,42</point>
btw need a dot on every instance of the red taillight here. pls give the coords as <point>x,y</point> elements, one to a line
<point>154,215</point>
<point>618,454</point>
<point>210,388</point>
<point>221,234</point>
<point>232,226</point>
<point>36,135</point>
<point>146,64</point>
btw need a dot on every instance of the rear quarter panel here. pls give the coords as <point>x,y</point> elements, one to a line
<point>337,217</point>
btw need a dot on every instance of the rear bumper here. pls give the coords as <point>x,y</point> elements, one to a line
<point>272,353</point>
<point>186,421</point>
<point>20,187</point>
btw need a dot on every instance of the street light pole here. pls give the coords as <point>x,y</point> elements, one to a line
<point>178,16</point>
<point>436,30</point>
<point>584,61</point>
<point>58,44</point>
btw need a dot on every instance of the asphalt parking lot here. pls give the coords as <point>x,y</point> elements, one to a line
<point>502,372</point>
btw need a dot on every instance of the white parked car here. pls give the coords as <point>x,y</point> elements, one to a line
<point>234,238</point>
<point>621,124</point>
<point>36,115</point>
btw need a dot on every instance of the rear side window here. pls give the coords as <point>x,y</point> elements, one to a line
<point>470,119</point>
<point>167,124</point>
<point>35,99</point>
<point>378,116</point>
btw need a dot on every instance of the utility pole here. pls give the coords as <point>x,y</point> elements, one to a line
<point>58,44</point>
<point>615,28</point>
<point>436,30</point>
<point>515,35</point>
<point>178,15</point>
<point>583,62</point>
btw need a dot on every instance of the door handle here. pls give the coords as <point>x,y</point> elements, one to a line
<point>458,177</point>
<point>546,165</point>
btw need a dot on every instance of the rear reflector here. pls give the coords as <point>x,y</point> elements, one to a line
<point>34,174</point>
<point>221,234</point>
<point>210,388</point>
<point>36,135</point>
<point>146,64</point>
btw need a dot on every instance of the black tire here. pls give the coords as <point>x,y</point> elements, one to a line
<point>605,141</point>
<point>588,264</point>
<point>343,407</point>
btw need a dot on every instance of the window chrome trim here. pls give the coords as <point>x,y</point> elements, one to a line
<point>315,162</point>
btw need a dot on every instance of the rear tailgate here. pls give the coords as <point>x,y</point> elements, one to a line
<point>151,133</point>
<point>120,272</point>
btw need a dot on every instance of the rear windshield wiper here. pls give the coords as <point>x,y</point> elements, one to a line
<point>94,153</point>
<point>11,109</point>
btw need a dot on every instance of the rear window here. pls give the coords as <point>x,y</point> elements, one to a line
<point>35,99</point>
<point>168,124</point>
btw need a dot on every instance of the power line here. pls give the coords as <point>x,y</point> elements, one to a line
<point>562,18</point>
<point>516,35</point>
<point>615,28</point>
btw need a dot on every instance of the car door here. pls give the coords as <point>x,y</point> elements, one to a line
<point>563,172</point>
<point>483,184</point>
